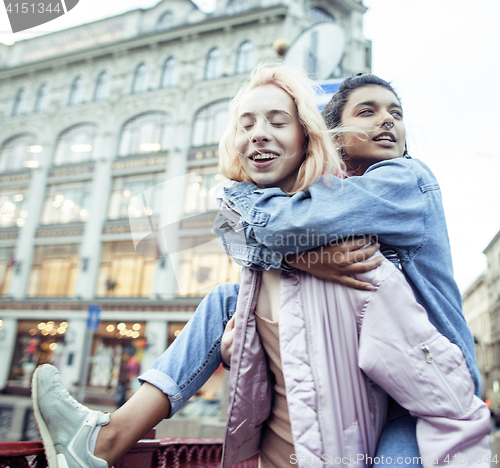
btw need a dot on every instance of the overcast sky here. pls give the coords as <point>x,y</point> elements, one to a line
<point>443,58</point>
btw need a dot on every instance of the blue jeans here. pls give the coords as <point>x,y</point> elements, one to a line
<point>195,354</point>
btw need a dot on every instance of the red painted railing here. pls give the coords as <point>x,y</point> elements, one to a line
<point>168,452</point>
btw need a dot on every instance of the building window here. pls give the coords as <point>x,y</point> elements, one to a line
<point>76,93</point>
<point>244,59</point>
<point>318,14</point>
<point>101,87</point>
<point>168,75</point>
<point>13,208</point>
<point>236,6</point>
<point>127,189</point>
<point>7,262</point>
<point>146,133</point>
<point>199,198</point>
<point>18,107</point>
<point>210,123</point>
<point>202,264</point>
<point>166,21</point>
<point>42,98</point>
<point>212,69</point>
<point>66,203</point>
<point>76,144</point>
<point>123,272</point>
<point>140,79</point>
<point>19,152</point>
<point>54,270</point>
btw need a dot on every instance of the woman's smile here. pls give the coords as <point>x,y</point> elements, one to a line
<point>270,137</point>
<point>374,128</point>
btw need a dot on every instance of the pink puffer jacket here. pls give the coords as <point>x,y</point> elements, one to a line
<point>329,335</point>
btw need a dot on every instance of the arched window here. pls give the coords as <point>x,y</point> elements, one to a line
<point>76,144</point>
<point>166,21</point>
<point>319,14</point>
<point>101,87</point>
<point>76,94</point>
<point>236,6</point>
<point>42,98</point>
<point>212,70</point>
<point>18,107</point>
<point>18,152</point>
<point>168,77</point>
<point>146,133</point>
<point>210,123</point>
<point>244,59</point>
<point>140,79</point>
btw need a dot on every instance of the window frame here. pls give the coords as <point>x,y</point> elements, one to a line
<point>213,64</point>
<point>76,92</point>
<point>139,85</point>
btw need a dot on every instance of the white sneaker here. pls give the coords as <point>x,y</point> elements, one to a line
<point>64,424</point>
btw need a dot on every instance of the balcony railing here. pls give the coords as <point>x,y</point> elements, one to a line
<point>168,452</point>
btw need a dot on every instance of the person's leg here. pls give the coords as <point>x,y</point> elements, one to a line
<point>129,423</point>
<point>398,443</point>
<point>174,378</point>
<point>195,354</point>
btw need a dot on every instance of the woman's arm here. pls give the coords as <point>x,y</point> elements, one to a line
<point>387,201</point>
<point>339,262</point>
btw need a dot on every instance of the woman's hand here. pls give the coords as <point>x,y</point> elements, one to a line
<point>337,262</point>
<point>226,342</point>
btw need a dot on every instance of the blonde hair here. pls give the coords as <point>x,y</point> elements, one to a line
<point>321,157</point>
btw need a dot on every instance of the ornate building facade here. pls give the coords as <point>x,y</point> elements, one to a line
<point>481,304</point>
<point>110,117</point>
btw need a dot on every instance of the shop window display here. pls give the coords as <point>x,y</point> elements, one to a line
<point>117,353</point>
<point>38,342</point>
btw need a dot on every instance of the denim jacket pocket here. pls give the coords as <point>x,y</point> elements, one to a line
<point>251,215</point>
<point>429,187</point>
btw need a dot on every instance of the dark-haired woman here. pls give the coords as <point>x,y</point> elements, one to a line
<point>390,195</point>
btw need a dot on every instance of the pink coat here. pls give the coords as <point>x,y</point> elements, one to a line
<point>342,349</point>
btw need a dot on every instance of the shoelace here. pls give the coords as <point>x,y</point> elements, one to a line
<point>75,403</point>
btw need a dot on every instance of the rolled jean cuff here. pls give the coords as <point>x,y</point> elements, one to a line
<point>167,386</point>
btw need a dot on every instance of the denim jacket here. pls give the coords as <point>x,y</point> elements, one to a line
<point>398,201</point>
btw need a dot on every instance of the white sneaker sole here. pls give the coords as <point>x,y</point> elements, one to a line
<point>48,444</point>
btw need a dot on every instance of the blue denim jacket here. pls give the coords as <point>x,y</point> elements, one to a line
<point>398,200</point>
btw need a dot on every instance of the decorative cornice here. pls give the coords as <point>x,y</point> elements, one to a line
<point>215,23</point>
<point>60,230</point>
<point>130,304</point>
